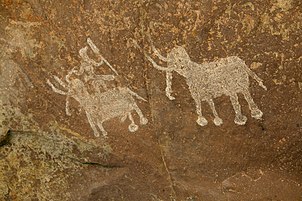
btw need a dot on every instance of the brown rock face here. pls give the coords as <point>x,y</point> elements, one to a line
<point>150,100</point>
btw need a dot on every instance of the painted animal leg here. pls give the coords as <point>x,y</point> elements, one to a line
<point>143,120</point>
<point>217,120</point>
<point>239,118</point>
<point>104,132</point>
<point>92,125</point>
<point>132,127</point>
<point>255,112</point>
<point>67,108</point>
<point>55,89</point>
<point>60,81</point>
<point>124,118</point>
<point>169,85</point>
<point>201,120</point>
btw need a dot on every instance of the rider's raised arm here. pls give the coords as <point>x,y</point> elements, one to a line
<point>85,57</point>
<point>97,52</point>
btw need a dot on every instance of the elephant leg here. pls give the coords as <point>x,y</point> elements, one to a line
<point>104,132</point>
<point>92,125</point>
<point>217,120</point>
<point>201,119</point>
<point>255,112</point>
<point>132,127</point>
<point>239,118</point>
<point>67,108</point>
<point>142,118</point>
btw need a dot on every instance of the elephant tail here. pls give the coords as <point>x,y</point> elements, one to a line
<point>254,76</point>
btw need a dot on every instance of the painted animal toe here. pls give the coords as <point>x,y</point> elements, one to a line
<point>218,121</point>
<point>133,127</point>
<point>257,114</point>
<point>124,118</point>
<point>96,133</point>
<point>104,134</point>
<point>171,97</point>
<point>240,119</point>
<point>144,121</point>
<point>202,121</point>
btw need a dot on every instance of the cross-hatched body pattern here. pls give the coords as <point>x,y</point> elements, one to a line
<point>209,80</point>
<point>99,105</point>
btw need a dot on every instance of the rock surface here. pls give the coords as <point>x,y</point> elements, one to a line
<point>54,90</point>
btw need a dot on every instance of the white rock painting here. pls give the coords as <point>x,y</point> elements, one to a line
<point>227,76</point>
<point>102,103</point>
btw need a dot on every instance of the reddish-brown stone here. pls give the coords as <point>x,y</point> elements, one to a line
<point>49,155</point>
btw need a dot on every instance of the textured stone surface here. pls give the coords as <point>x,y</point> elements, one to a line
<point>46,154</point>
